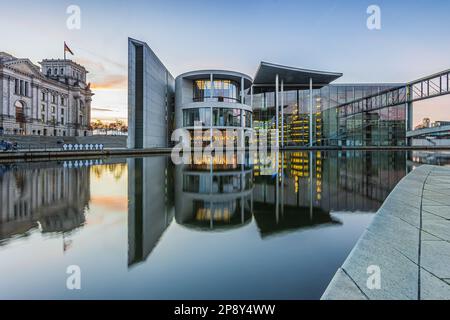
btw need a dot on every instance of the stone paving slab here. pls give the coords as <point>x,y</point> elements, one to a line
<point>408,240</point>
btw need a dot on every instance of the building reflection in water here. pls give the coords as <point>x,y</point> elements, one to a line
<point>214,193</point>
<point>150,204</point>
<point>51,196</point>
<point>310,186</point>
<point>219,194</point>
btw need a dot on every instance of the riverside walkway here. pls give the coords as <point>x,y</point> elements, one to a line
<point>409,240</point>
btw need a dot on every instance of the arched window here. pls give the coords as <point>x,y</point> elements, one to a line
<point>20,111</point>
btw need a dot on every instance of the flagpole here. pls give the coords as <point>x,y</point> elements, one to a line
<point>64,51</point>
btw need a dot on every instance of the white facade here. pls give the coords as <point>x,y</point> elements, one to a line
<point>214,99</point>
<point>53,100</point>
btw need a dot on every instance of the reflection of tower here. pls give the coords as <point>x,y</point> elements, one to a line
<point>149,205</point>
<point>214,197</point>
<point>53,196</point>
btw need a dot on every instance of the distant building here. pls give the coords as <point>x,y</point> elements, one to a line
<point>426,123</point>
<point>440,123</point>
<point>53,100</point>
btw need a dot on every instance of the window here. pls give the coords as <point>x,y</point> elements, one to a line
<point>53,120</point>
<point>62,120</point>
<point>223,91</point>
<point>54,98</point>
<point>224,117</point>
<point>55,71</point>
<point>247,118</point>
<point>42,107</point>
<point>43,96</point>
<point>190,116</point>
<point>20,116</point>
<point>16,86</point>
<point>62,111</point>
<point>21,88</point>
<point>26,89</point>
<point>61,71</point>
<point>43,117</point>
<point>62,101</point>
<point>53,109</point>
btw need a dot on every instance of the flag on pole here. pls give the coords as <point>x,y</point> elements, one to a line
<point>67,49</point>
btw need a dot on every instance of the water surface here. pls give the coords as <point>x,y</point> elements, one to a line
<point>142,228</point>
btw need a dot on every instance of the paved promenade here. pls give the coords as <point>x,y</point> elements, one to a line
<point>409,240</point>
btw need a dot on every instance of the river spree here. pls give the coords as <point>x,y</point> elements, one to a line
<point>143,228</point>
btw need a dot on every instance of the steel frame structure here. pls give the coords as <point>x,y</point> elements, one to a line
<point>424,88</point>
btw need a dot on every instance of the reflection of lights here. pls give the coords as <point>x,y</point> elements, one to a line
<point>204,214</point>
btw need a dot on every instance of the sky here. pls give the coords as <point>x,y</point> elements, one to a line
<point>330,35</point>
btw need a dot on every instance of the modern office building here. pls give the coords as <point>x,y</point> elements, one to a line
<point>299,107</point>
<point>150,98</point>
<point>53,100</point>
<point>214,100</point>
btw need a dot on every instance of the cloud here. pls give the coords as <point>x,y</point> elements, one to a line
<point>102,109</point>
<point>115,203</point>
<point>104,74</point>
<point>112,81</point>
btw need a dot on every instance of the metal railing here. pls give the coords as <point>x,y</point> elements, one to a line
<point>424,88</point>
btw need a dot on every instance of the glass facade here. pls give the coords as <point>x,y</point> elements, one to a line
<point>222,117</point>
<point>352,126</point>
<point>222,91</point>
<point>225,117</point>
<point>191,116</point>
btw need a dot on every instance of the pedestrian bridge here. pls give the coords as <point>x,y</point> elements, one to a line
<point>432,131</point>
<point>432,86</point>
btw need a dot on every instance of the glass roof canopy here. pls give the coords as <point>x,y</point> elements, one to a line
<point>293,78</point>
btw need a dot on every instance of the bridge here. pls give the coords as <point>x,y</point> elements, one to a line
<point>432,86</point>
<point>432,131</point>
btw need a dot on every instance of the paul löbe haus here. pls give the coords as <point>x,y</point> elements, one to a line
<point>311,108</point>
<point>51,100</point>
